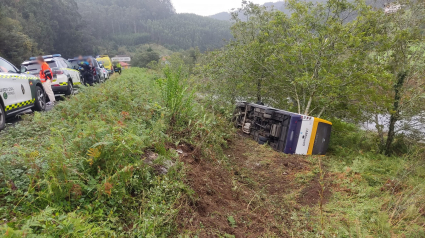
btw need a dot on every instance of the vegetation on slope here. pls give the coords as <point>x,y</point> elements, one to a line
<point>104,162</point>
<point>253,191</point>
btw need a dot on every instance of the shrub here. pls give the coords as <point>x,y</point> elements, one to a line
<point>176,96</point>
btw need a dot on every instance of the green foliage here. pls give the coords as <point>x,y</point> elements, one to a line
<point>54,25</point>
<point>81,170</point>
<point>132,39</point>
<point>232,221</point>
<point>337,58</point>
<point>176,96</point>
<point>296,62</point>
<point>348,138</point>
<point>17,46</point>
<point>53,224</point>
<point>150,21</point>
<point>185,31</point>
<point>377,195</point>
<point>144,58</point>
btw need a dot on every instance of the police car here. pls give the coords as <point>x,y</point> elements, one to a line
<point>19,92</point>
<point>65,77</point>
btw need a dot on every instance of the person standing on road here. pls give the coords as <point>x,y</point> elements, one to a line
<point>87,71</point>
<point>46,76</point>
<point>92,71</point>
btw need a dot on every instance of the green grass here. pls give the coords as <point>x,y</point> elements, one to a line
<point>374,195</point>
<point>79,170</point>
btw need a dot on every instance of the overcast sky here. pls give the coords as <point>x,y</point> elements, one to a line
<point>210,7</point>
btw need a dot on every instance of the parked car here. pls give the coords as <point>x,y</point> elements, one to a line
<point>105,72</point>
<point>106,61</point>
<point>65,77</point>
<point>99,77</point>
<point>19,92</point>
<point>75,66</point>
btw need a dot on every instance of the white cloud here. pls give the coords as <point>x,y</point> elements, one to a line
<point>209,7</point>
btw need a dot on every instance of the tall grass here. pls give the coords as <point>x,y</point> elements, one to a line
<point>176,96</point>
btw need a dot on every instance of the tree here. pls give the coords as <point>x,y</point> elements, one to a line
<point>317,53</point>
<point>144,58</point>
<point>301,62</point>
<point>398,52</point>
<point>16,46</point>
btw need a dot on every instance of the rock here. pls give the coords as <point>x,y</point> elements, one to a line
<point>150,157</point>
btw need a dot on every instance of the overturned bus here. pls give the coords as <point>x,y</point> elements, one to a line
<point>284,131</point>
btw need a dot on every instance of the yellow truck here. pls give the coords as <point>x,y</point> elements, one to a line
<point>106,61</point>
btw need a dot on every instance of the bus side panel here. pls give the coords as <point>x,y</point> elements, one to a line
<point>305,136</point>
<point>293,133</point>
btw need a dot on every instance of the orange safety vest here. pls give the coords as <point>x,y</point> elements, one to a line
<point>45,68</point>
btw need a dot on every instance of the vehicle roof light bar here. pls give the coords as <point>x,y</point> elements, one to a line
<point>47,56</point>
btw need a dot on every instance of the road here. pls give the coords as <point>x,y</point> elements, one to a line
<point>14,120</point>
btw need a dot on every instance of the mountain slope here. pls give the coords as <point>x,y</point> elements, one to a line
<point>151,21</point>
<point>280,6</point>
<point>227,16</point>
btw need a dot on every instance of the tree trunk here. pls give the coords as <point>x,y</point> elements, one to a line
<point>259,99</point>
<point>307,108</point>
<point>396,111</point>
<point>321,112</point>
<point>380,129</point>
<point>297,99</point>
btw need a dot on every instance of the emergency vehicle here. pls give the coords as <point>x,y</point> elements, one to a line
<point>19,91</point>
<point>106,62</point>
<point>65,77</point>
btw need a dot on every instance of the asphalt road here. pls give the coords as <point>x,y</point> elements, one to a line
<point>13,120</point>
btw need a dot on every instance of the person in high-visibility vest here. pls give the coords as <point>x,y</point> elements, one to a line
<point>46,76</point>
<point>119,67</point>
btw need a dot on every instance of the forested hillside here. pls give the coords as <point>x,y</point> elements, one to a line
<point>73,27</point>
<point>27,29</point>
<point>278,5</point>
<point>136,22</point>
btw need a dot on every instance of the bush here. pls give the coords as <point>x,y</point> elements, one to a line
<point>144,58</point>
<point>176,97</point>
<point>347,137</point>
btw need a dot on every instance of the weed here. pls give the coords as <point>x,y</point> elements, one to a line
<point>232,221</point>
<point>176,96</point>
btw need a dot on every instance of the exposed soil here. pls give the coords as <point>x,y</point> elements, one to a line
<point>255,186</point>
<point>311,195</point>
